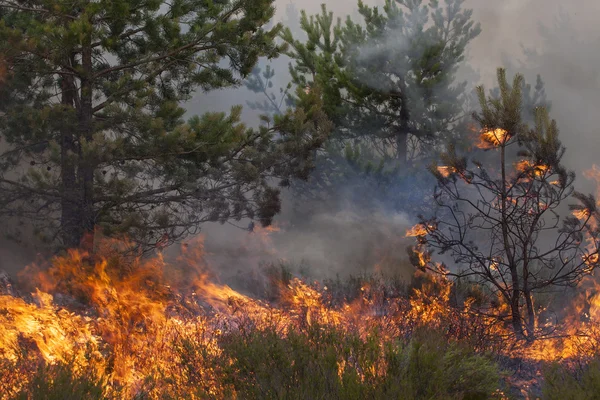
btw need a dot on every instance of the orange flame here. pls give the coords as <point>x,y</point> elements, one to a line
<point>446,171</point>
<point>492,138</point>
<point>419,230</point>
<point>125,318</point>
<point>538,170</point>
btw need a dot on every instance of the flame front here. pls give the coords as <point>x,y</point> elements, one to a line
<point>133,320</point>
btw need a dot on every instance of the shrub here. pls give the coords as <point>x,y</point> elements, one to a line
<point>328,364</point>
<point>316,363</point>
<point>60,382</point>
<point>560,383</point>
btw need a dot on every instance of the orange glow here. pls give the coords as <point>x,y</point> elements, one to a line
<point>537,169</point>
<point>133,321</point>
<point>446,171</point>
<point>492,138</point>
<point>581,214</point>
<point>417,230</point>
<point>594,173</point>
<point>132,314</point>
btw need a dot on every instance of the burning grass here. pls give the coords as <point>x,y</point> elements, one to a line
<point>113,326</point>
<point>124,332</point>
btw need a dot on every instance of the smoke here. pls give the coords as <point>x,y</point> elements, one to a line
<point>330,244</point>
<point>530,37</point>
<point>556,40</point>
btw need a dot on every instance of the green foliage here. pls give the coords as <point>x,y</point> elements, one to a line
<point>59,382</point>
<point>325,364</point>
<point>388,81</point>
<point>562,383</point>
<point>503,111</point>
<point>392,73</point>
<point>317,363</point>
<point>261,82</point>
<point>90,111</point>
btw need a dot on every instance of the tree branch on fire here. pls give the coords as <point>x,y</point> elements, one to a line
<point>500,216</point>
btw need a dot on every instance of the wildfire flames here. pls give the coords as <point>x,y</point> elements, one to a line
<point>417,230</point>
<point>446,171</point>
<point>489,139</point>
<point>125,319</point>
<point>537,169</point>
<point>130,327</point>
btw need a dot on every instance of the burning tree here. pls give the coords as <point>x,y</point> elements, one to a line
<point>499,218</point>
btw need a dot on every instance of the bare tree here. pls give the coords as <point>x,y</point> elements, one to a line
<point>499,218</point>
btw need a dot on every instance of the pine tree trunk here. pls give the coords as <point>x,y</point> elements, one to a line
<point>402,148</point>
<point>86,162</point>
<point>77,169</point>
<point>70,201</point>
<point>515,311</point>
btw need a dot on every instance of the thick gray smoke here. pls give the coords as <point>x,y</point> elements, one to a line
<point>330,244</point>
<point>550,38</point>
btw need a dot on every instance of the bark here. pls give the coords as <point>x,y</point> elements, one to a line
<point>402,147</point>
<point>86,162</point>
<point>77,170</point>
<point>528,296</point>
<point>530,310</point>
<point>515,313</point>
<point>517,320</point>
<point>70,202</point>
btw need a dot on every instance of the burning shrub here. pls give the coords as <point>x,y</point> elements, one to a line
<point>147,332</point>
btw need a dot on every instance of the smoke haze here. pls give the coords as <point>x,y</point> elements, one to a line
<point>533,37</point>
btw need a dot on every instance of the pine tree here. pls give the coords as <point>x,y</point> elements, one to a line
<point>388,80</point>
<point>90,113</point>
<point>498,215</point>
<point>387,76</point>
